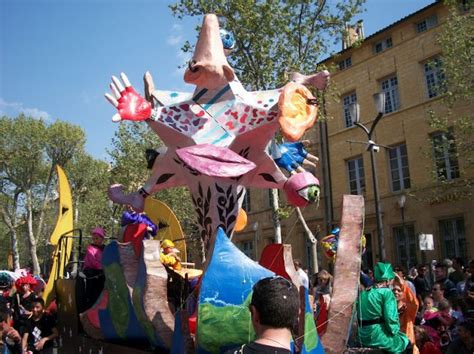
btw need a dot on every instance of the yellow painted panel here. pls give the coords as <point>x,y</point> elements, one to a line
<point>64,224</point>
<point>159,212</point>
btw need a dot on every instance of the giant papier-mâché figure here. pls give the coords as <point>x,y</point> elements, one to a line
<point>217,137</point>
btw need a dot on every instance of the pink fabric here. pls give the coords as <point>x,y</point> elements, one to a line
<point>93,259</point>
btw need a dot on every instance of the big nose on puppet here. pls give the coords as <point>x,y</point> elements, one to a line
<point>209,67</point>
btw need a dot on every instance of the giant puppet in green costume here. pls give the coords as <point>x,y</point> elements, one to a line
<point>379,326</point>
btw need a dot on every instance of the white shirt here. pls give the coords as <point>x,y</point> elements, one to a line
<point>304,278</point>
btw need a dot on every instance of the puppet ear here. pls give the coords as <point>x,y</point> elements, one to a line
<point>297,111</point>
<point>229,73</point>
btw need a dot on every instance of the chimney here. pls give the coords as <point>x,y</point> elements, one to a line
<point>352,34</point>
<point>360,29</point>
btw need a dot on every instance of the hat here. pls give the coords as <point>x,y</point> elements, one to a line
<point>383,271</point>
<point>27,279</point>
<point>167,243</point>
<point>99,232</point>
<point>5,281</point>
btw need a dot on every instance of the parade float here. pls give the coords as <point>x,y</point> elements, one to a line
<point>218,141</point>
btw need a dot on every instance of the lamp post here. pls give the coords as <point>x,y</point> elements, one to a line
<point>255,238</point>
<point>372,147</point>
<point>401,204</point>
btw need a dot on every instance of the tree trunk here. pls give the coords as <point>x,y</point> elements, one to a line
<point>275,217</point>
<point>76,212</point>
<point>16,254</point>
<point>31,235</point>
<point>39,229</point>
<point>11,222</point>
<point>312,239</point>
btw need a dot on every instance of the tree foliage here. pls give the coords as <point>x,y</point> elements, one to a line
<point>29,150</point>
<point>455,41</point>
<point>275,38</point>
<point>89,179</point>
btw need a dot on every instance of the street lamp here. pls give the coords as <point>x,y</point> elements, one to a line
<point>255,237</point>
<point>401,204</point>
<point>354,111</point>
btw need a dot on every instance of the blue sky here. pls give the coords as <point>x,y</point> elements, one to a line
<point>57,56</point>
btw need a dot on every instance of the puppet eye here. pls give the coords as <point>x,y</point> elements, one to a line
<point>228,40</point>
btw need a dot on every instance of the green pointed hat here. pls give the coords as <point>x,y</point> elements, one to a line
<point>383,271</point>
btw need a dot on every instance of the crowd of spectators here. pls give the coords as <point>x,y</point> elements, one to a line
<point>26,325</point>
<point>435,304</point>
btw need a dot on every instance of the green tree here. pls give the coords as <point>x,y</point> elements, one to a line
<point>275,38</point>
<point>22,169</point>
<point>29,150</point>
<point>62,142</point>
<point>455,41</point>
<point>89,179</point>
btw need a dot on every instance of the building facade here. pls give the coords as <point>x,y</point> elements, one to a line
<point>404,61</point>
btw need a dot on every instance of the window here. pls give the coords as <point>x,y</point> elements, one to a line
<point>344,64</point>
<point>434,77</point>
<point>390,88</point>
<point>445,156</point>
<point>399,173</point>
<point>426,24</point>
<point>346,102</point>
<point>382,45</point>
<point>246,200</point>
<point>405,245</point>
<point>247,248</point>
<point>355,170</point>
<point>453,234</point>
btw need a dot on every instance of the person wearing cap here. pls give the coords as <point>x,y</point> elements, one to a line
<point>5,287</point>
<point>169,255</point>
<point>377,314</point>
<point>93,266</point>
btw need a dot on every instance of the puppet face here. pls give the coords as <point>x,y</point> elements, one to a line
<point>209,67</point>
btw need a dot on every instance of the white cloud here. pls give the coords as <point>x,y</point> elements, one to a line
<point>14,108</point>
<point>182,59</point>
<point>8,105</point>
<point>35,113</point>
<point>177,27</point>
<point>175,40</point>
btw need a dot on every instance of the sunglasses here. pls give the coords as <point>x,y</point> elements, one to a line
<point>288,283</point>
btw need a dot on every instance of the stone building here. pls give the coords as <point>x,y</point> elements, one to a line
<point>402,60</point>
